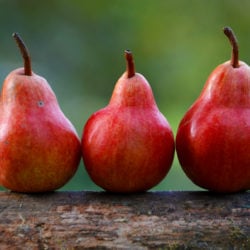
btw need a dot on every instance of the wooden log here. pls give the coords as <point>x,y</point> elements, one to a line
<point>100,220</point>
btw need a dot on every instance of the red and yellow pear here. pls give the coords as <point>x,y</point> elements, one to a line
<point>213,138</point>
<point>128,146</point>
<point>39,148</point>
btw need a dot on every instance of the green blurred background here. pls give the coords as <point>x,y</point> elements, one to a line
<point>78,47</point>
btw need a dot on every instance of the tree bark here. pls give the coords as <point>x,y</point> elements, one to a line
<point>100,220</point>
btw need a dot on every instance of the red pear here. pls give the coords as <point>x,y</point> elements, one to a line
<point>128,146</point>
<point>39,147</point>
<point>213,138</point>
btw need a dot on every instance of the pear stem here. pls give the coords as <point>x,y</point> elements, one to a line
<point>130,63</point>
<point>233,40</point>
<point>25,54</point>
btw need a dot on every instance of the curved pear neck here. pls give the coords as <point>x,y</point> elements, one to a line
<point>24,93</point>
<point>132,92</point>
<point>228,87</point>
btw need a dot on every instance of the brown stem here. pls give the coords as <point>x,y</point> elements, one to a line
<point>130,63</point>
<point>233,40</point>
<point>25,54</point>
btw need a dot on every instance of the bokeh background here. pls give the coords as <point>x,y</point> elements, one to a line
<point>78,47</point>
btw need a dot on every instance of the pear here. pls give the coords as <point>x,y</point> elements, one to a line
<point>128,146</point>
<point>213,138</point>
<point>39,147</point>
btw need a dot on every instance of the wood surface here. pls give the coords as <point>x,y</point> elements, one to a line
<point>100,220</point>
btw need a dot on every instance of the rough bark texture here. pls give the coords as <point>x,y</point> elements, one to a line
<point>99,220</point>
